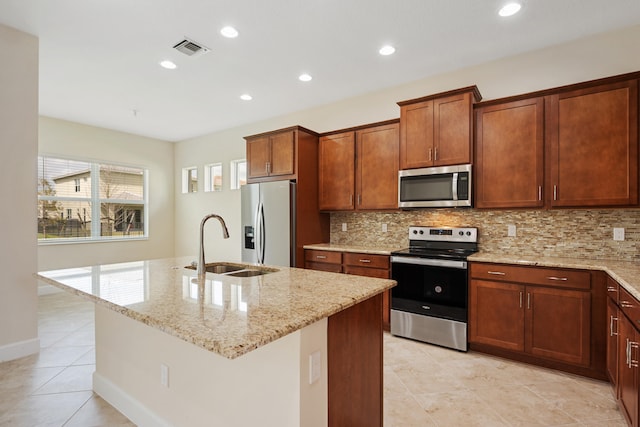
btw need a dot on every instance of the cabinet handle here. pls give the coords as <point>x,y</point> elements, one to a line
<point>359,199</point>
<point>364,260</point>
<point>555,192</point>
<point>497,273</point>
<point>611,289</point>
<point>321,257</point>
<point>627,351</point>
<point>267,167</point>
<point>521,299</point>
<point>430,154</point>
<point>350,199</point>
<point>435,153</point>
<point>632,363</point>
<point>539,192</point>
<point>561,279</point>
<point>528,301</point>
<point>626,304</point>
<point>611,333</point>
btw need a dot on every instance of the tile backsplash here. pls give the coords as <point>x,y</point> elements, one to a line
<point>563,233</point>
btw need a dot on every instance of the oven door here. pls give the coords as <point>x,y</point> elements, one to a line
<point>430,287</point>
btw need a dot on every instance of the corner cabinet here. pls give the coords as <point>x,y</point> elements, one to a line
<point>539,315</point>
<point>592,138</point>
<point>437,130</point>
<point>277,155</point>
<point>358,170</point>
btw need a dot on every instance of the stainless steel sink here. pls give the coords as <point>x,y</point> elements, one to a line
<point>236,270</point>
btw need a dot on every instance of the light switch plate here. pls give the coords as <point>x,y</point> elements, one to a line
<point>618,234</point>
<point>315,366</point>
<point>511,230</point>
<point>384,228</point>
<point>344,226</point>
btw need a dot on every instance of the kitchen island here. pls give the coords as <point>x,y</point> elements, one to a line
<point>292,347</point>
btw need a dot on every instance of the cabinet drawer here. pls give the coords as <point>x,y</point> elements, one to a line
<point>366,260</point>
<point>329,257</point>
<point>321,266</point>
<point>630,306</point>
<point>380,273</point>
<point>613,289</point>
<point>575,279</point>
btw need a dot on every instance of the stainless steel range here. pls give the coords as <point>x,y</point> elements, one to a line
<point>430,301</point>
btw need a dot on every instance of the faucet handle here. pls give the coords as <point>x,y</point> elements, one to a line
<point>194,263</point>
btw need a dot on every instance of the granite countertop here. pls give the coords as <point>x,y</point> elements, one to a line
<point>626,273</point>
<point>372,250</point>
<point>227,315</point>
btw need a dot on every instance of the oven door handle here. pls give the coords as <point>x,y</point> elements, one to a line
<point>429,262</point>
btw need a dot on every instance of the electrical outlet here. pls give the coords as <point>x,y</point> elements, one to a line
<point>384,228</point>
<point>344,226</point>
<point>511,230</point>
<point>618,234</point>
<point>164,375</point>
<point>315,366</point>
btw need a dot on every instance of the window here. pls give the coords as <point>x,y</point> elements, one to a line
<point>83,201</point>
<point>213,177</point>
<point>238,173</point>
<point>190,180</point>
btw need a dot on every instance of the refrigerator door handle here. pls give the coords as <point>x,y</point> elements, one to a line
<point>263,234</point>
<point>256,234</point>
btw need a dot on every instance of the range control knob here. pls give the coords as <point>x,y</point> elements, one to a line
<point>415,231</point>
<point>421,231</point>
<point>468,233</point>
<point>461,233</point>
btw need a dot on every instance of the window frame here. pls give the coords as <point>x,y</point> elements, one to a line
<point>94,200</point>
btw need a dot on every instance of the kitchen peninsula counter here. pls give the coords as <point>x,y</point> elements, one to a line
<point>626,273</point>
<point>175,350</point>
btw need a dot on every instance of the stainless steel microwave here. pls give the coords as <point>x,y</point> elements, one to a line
<point>439,187</point>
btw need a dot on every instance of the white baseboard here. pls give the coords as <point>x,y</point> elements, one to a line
<point>126,404</point>
<point>20,349</point>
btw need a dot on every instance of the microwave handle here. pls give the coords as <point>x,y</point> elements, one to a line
<point>454,184</point>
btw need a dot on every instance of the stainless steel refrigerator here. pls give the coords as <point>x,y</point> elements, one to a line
<point>268,223</point>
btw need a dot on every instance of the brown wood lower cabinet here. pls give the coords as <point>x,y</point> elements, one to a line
<point>360,264</point>
<point>550,317</point>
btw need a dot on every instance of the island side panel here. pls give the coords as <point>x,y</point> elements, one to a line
<point>354,348</point>
<point>268,386</point>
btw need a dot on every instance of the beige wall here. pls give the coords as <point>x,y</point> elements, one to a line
<point>62,138</point>
<point>589,58</point>
<point>18,148</point>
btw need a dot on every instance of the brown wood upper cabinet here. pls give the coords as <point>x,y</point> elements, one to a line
<point>510,154</point>
<point>437,130</point>
<point>358,170</point>
<point>592,141</point>
<point>277,155</point>
<point>568,147</point>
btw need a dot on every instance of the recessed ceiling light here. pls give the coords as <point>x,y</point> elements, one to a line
<point>229,32</point>
<point>509,9</point>
<point>387,50</point>
<point>169,65</point>
<point>246,97</point>
<point>305,77</point>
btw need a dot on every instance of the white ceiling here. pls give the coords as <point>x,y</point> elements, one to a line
<point>99,58</point>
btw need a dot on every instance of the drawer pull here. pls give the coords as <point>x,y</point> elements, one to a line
<point>611,289</point>
<point>630,346</point>
<point>626,304</point>
<point>559,279</point>
<point>364,260</point>
<point>321,257</point>
<point>497,273</point>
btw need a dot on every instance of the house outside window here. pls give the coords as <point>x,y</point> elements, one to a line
<point>87,201</point>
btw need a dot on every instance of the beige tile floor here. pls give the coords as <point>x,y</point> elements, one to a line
<point>424,385</point>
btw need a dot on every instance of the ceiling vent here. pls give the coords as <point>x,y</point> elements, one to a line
<point>191,48</point>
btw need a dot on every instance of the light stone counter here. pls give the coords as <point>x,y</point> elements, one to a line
<point>624,272</point>
<point>352,248</point>
<point>226,315</point>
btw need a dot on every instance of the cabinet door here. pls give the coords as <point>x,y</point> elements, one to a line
<point>452,130</point>
<point>592,137</point>
<point>558,324</point>
<point>258,157</point>
<point>496,314</point>
<point>510,154</point>
<point>337,171</point>
<point>282,154</point>
<point>377,167</point>
<point>628,370</point>
<point>416,135</point>
<point>612,342</point>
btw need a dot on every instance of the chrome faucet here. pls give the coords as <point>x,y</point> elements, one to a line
<point>225,234</point>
